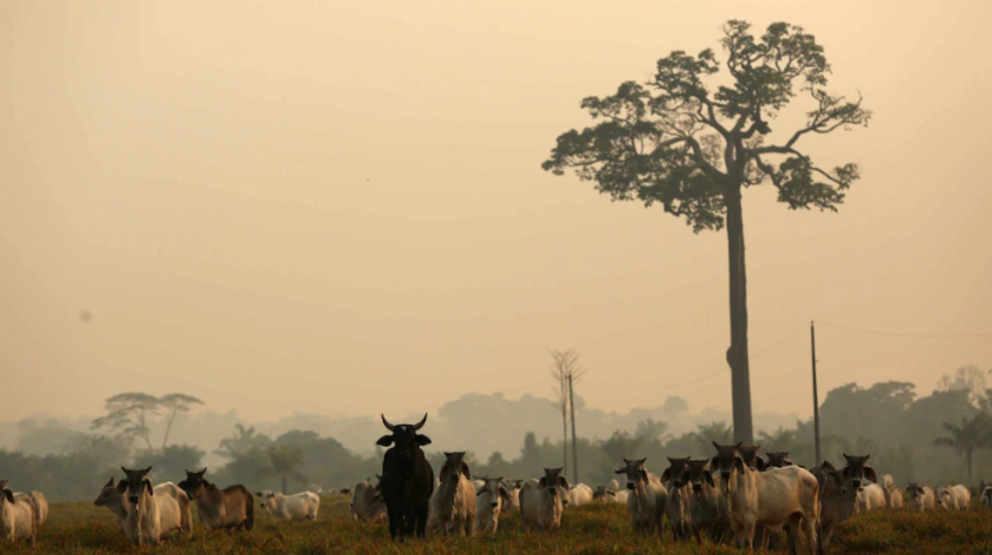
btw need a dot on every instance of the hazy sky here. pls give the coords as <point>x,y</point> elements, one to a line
<point>338,207</point>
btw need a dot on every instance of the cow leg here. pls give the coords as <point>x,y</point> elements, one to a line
<point>394,521</point>
<point>421,521</point>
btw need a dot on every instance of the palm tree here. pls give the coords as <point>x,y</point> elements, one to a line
<point>284,461</point>
<point>719,432</point>
<point>973,433</point>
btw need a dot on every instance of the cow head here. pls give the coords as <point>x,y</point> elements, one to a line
<point>404,437</point>
<point>696,475</point>
<point>136,484</point>
<point>635,472</point>
<point>553,480</point>
<point>727,459</point>
<point>675,471</point>
<point>194,485</point>
<point>779,459</point>
<point>829,480</point>
<point>857,470</point>
<point>987,494</point>
<point>265,496</point>
<point>5,492</point>
<point>497,491</point>
<point>944,497</point>
<point>454,466</point>
<point>601,493</point>
<point>107,494</point>
<point>751,458</point>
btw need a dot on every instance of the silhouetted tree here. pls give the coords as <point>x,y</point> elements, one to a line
<point>172,404</point>
<point>128,414</point>
<point>972,434</point>
<point>284,462</point>
<point>675,142</point>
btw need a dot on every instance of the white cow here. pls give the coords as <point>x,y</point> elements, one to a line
<point>150,518</point>
<point>40,504</point>
<point>871,497</point>
<point>645,499</point>
<point>954,498</point>
<point>541,501</point>
<point>513,487</point>
<point>489,502</point>
<point>579,495</point>
<point>18,517</point>
<point>112,497</point>
<point>451,509</point>
<point>774,499</point>
<point>922,498</point>
<point>366,503</point>
<point>300,506</point>
<point>893,495</point>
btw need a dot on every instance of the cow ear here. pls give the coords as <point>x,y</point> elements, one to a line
<point>122,486</point>
<point>465,471</point>
<point>620,471</point>
<point>504,495</point>
<point>481,491</point>
<point>258,494</point>
<point>148,486</point>
<point>666,475</point>
<point>423,440</point>
<point>686,477</point>
<point>870,473</point>
<point>643,474</point>
<point>543,482</point>
<point>759,463</point>
<point>708,476</point>
<point>9,495</point>
<point>714,464</point>
<point>846,473</point>
<point>563,482</point>
<point>385,441</point>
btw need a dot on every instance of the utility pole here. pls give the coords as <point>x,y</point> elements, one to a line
<point>575,451</point>
<point>816,397</point>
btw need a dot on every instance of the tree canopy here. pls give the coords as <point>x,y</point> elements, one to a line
<point>683,143</point>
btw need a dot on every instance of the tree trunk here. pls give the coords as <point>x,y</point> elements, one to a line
<point>967,455</point>
<point>737,355</point>
<point>168,428</point>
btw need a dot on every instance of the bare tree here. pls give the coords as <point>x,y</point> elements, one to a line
<point>564,365</point>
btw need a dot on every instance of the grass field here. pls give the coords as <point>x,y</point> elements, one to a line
<point>82,528</point>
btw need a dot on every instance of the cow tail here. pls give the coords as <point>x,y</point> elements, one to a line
<point>250,512</point>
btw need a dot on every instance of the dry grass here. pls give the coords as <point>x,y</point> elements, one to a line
<point>82,528</point>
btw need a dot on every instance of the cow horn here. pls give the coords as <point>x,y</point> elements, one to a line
<point>420,424</point>
<point>385,422</point>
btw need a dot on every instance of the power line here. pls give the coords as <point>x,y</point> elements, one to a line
<point>902,334</point>
<point>704,377</point>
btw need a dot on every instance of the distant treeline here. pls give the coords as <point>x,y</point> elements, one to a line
<point>924,439</point>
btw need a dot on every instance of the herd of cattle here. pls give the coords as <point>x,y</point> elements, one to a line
<point>736,496</point>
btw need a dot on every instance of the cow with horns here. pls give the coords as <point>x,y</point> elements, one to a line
<point>407,479</point>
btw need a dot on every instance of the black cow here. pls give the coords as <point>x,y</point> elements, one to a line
<point>407,479</point>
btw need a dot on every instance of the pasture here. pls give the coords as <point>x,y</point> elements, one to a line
<point>82,528</point>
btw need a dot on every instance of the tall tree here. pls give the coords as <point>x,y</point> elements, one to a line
<point>564,365</point>
<point>172,404</point>
<point>694,148</point>
<point>128,415</point>
<point>972,434</point>
<point>285,462</point>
